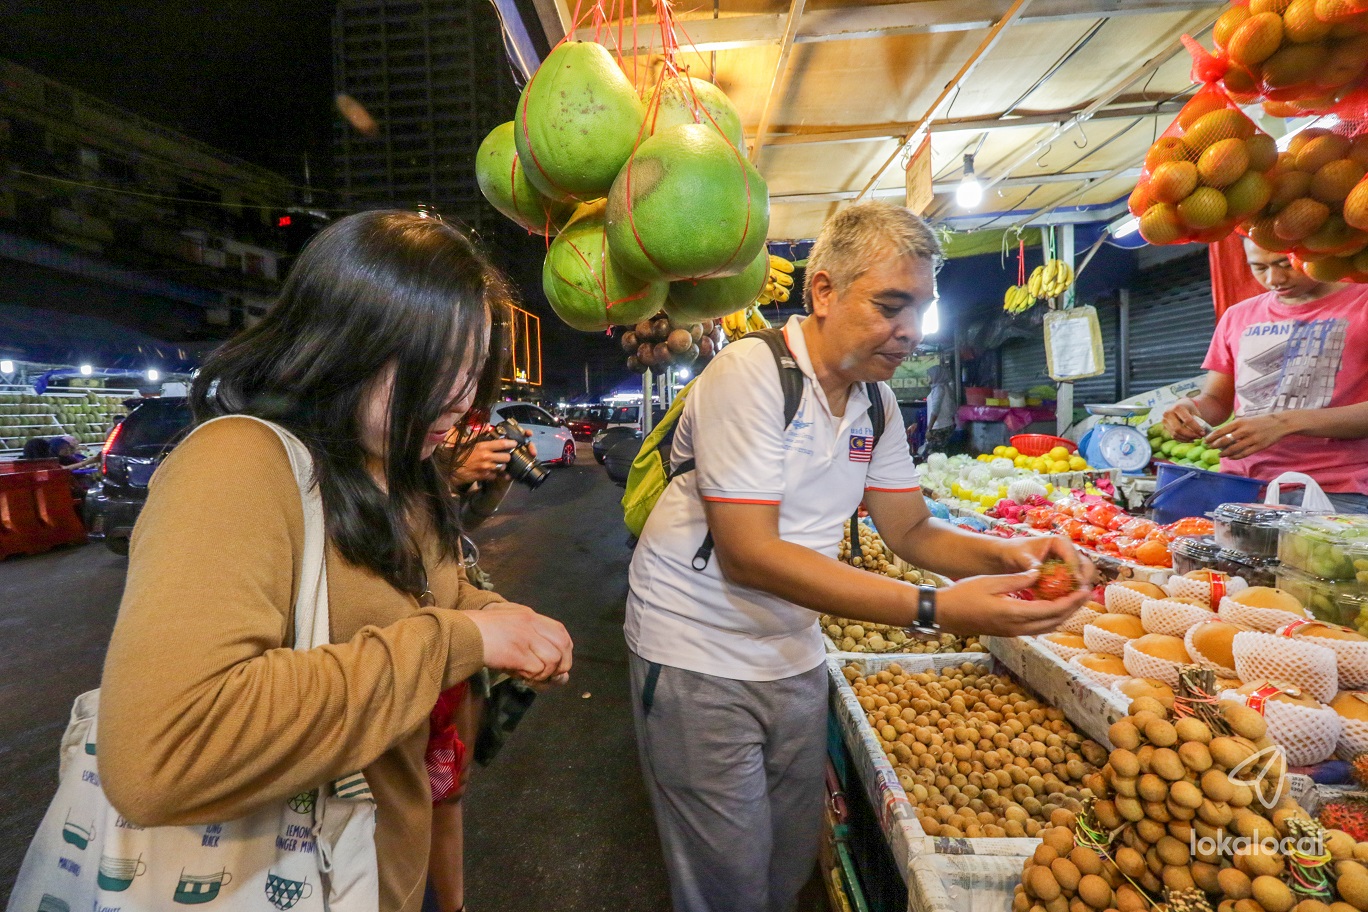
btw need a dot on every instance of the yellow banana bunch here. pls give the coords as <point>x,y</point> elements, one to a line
<point>736,325</point>
<point>1018,299</point>
<point>1050,280</point>
<point>778,283</point>
<point>755,319</point>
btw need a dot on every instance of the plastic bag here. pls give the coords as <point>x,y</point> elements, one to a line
<point>1277,51</point>
<point>1204,174</point>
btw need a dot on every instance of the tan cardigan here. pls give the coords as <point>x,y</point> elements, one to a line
<point>207,715</point>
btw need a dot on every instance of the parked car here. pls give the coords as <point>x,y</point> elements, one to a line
<point>606,438</point>
<point>552,438</point>
<point>587,420</point>
<point>132,452</point>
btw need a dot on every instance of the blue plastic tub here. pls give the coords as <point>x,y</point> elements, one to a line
<point>1183,491</point>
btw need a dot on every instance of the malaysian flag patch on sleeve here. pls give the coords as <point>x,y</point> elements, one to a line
<point>861,448</point>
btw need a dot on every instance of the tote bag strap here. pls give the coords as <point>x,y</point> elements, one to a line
<point>1313,498</point>
<point>311,622</point>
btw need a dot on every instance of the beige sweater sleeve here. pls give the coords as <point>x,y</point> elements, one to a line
<point>205,714</point>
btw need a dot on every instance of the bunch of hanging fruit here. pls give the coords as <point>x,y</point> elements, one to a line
<point>660,342</point>
<point>648,194</point>
<point>1050,280</point>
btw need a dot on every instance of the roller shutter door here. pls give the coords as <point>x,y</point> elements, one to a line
<point>1172,320</point>
<point>1023,361</point>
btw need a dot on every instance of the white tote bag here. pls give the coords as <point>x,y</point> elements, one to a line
<point>313,853</point>
<point>1313,498</point>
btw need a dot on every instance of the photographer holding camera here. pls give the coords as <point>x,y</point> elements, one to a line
<point>480,475</point>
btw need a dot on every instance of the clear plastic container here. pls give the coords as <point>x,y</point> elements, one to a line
<point>1336,601</point>
<point>1252,528</point>
<point>1195,552</point>
<point>1331,547</point>
<point>1257,571</point>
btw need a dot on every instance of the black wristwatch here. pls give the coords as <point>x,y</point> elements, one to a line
<point>926,609</point>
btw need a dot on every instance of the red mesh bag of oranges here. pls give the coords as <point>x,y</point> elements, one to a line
<point>1206,172</point>
<point>1297,56</point>
<point>1318,210</point>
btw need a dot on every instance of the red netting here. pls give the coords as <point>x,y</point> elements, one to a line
<point>1304,51</point>
<point>1204,174</point>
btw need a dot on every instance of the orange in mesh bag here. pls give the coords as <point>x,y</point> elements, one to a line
<point>1310,667</point>
<point>1157,656</point>
<point>1204,174</point>
<point>1282,51</point>
<point>1211,645</point>
<point>1261,608</point>
<point>1306,730</point>
<point>1173,616</point>
<point>1350,648</point>
<point>1352,708</point>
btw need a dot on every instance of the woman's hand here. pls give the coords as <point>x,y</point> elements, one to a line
<point>486,461</point>
<point>980,606</point>
<point>1022,554</point>
<point>1247,436</point>
<point>523,643</point>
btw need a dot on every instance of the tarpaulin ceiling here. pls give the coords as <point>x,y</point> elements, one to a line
<point>857,78</point>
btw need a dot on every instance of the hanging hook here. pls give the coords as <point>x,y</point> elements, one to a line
<point>1040,162</point>
<point>1083,134</point>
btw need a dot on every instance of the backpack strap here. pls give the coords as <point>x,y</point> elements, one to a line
<point>878,420</point>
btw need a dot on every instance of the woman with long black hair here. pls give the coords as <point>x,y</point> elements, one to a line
<point>389,329</point>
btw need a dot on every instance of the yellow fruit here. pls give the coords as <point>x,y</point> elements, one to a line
<point>1166,149</point>
<point>1022,462</point>
<point>1321,151</point>
<point>1173,181</point>
<point>1334,181</point>
<point>1140,199</point>
<point>1059,452</point>
<point>1059,466</point>
<point>1214,127</point>
<point>1262,152</point>
<point>1222,163</point>
<point>1247,195</point>
<point>1356,207</point>
<point>1268,6</point>
<point>1346,61</point>
<point>1294,65</point>
<point>1257,38</point>
<point>1328,269</point>
<point>1077,463</point>
<point>1288,186</point>
<point>1261,232</point>
<point>999,451</point>
<point>1230,20</point>
<point>1299,141</point>
<point>1300,219</point>
<point>1160,224</point>
<point>1011,452</point>
<point>1240,82</point>
<point>1204,208</point>
<point>1335,237</point>
<point>1300,23</point>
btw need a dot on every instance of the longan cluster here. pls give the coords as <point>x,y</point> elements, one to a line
<point>876,557</point>
<point>1175,794</point>
<point>863,636</point>
<point>976,754</point>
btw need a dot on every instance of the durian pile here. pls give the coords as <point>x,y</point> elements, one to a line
<point>1191,813</point>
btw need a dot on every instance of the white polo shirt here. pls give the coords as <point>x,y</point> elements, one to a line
<point>816,470</point>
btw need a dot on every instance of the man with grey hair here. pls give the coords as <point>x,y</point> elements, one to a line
<point>728,679</point>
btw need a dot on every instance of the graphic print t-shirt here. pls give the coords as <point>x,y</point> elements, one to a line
<point>1310,356</point>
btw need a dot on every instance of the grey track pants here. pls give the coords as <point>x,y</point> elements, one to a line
<point>735,774</point>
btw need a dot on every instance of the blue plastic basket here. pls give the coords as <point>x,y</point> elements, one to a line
<point>1183,491</point>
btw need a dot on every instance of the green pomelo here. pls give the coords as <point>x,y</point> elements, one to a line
<point>586,288</point>
<point>690,100</point>
<point>503,181</point>
<point>577,122</point>
<point>687,206</point>
<point>696,300</point>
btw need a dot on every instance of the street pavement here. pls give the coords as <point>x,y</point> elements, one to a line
<point>560,820</point>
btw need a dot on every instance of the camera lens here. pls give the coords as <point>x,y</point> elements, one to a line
<point>522,467</point>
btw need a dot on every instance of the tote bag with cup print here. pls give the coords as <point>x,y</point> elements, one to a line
<point>312,853</point>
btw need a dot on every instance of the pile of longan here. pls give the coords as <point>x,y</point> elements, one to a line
<point>1171,789</point>
<point>863,636</point>
<point>876,557</point>
<point>977,755</point>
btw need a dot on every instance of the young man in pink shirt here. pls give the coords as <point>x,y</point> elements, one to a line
<point>1291,365</point>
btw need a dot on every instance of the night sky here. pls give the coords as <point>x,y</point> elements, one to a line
<point>254,78</point>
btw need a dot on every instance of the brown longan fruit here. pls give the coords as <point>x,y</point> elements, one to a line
<point>1193,729</point>
<point>1151,787</point>
<point>1141,705</point>
<point>1216,814</point>
<point>1124,763</point>
<point>1158,810</point>
<point>1217,786</point>
<point>1171,851</point>
<point>1247,905</point>
<point>1195,756</point>
<point>1205,876</point>
<point>1086,860</point>
<point>1244,720</point>
<point>1129,809</point>
<point>1125,787</point>
<point>1128,899</point>
<point>1153,862</point>
<point>1340,845</point>
<point>1161,733</point>
<point>1107,814</point>
<point>1234,883</point>
<point>1095,891</point>
<point>1311,905</point>
<point>1166,763</point>
<point>1061,819</point>
<point>1228,753</point>
<point>1243,795</point>
<point>1186,795</point>
<point>1124,735</point>
<point>1342,907</point>
<point>1361,851</point>
<point>1177,878</point>
<point>1273,894</point>
<point>1353,889</point>
<point>1060,839</point>
<point>1066,874</point>
<point>1254,861</point>
<point>1151,831</point>
<point>1059,904</point>
<point>1131,862</point>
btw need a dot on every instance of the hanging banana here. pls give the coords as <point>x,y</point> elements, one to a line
<point>1017,299</point>
<point>778,283</point>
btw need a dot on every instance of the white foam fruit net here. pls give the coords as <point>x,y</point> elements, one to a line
<point>1172,618</point>
<point>1102,679</point>
<point>1182,587</point>
<point>1100,640</point>
<point>1353,739</point>
<point>1078,620</point>
<point>1308,734</point>
<point>1266,619</point>
<point>1270,657</point>
<point>1143,665</point>
<point>1351,659</point>
<point>1121,599</point>
<point>1222,671</point>
<point>1064,652</point>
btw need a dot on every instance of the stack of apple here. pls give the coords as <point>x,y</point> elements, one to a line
<point>1298,56</point>
<point>1318,210</point>
<point>1209,171</point>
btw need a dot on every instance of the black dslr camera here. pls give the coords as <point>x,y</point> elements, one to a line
<point>522,465</point>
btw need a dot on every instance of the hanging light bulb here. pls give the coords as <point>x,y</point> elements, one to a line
<point>969,193</point>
